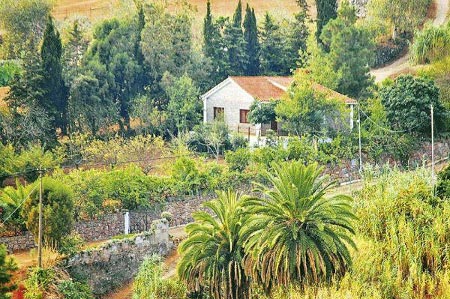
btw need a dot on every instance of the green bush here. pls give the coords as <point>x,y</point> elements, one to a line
<point>38,280</point>
<point>238,160</point>
<point>75,290</point>
<point>57,208</point>
<point>443,184</point>
<point>71,244</point>
<point>186,174</point>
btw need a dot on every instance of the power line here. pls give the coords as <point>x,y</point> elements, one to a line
<point>380,127</point>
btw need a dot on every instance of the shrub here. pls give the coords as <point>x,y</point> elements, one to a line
<point>75,290</point>
<point>7,267</point>
<point>186,174</point>
<point>37,282</point>
<point>8,70</point>
<point>443,184</point>
<point>57,211</point>
<point>431,44</point>
<point>238,160</point>
<point>167,215</point>
<point>71,244</point>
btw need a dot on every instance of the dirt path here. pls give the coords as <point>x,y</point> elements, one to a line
<point>402,64</point>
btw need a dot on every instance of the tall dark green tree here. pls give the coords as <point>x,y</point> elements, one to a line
<point>252,67</point>
<point>235,43</point>
<point>326,10</point>
<point>272,48</point>
<point>55,91</point>
<point>208,32</point>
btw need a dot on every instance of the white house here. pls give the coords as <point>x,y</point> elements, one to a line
<point>231,99</point>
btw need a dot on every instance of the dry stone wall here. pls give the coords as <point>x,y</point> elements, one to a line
<point>117,262</point>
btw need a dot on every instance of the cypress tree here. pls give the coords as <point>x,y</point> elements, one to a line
<point>326,10</point>
<point>251,41</point>
<point>54,88</point>
<point>235,43</point>
<point>208,32</point>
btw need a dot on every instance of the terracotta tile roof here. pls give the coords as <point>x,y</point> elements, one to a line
<point>334,94</point>
<point>264,88</point>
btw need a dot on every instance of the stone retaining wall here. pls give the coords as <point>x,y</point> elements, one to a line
<point>17,243</point>
<point>117,262</point>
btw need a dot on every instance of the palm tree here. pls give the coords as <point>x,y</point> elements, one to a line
<point>212,254</point>
<point>294,234</point>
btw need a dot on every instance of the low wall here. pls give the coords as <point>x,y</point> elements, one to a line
<point>117,262</point>
<point>103,228</point>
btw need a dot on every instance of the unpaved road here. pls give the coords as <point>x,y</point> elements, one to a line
<point>402,64</point>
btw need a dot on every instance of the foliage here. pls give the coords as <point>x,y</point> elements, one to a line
<point>57,211</point>
<point>238,160</point>
<point>350,52</point>
<point>8,70</point>
<point>7,267</point>
<point>75,290</point>
<point>212,255</point>
<point>71,244</point>
<point>326,11</point>
<point>55,92</point>
<point>186,174</point>
<point>37,282</point>
<point>400,16</point>
<point>11,200</point>
<point>262,112</point>
<point>406,233</point>
<point>307,110</point>
<point>149,283</point>
<point>212,138</point>
<point>443,184</point>
<point>407,102</point>
<point>24,23</point>
<point>439,72</point>
<point>294,234</point>
<point>184,107</point>
<point>431,44</point>
<point>252,47</point>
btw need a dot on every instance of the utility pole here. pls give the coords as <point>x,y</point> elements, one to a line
<point>359,141</point>
<point>40,220</point>
<point>432,146</point>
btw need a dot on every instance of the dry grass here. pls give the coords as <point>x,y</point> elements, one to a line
<point>99,9</point>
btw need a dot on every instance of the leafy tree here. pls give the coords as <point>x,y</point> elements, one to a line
<point>73,51</point>
<point>262,112</point>
<point>326,11</point>
<point>294,234</point>
<point>24,23</point>
<point>212,255</point>
<point>252,67</point>
<point>407,101</point>
<point>307,110</point>
<point>57,211</point>
<point>55,92</point>
<point>184,107</point>
<point>296,36</point>
<point>7,266</point>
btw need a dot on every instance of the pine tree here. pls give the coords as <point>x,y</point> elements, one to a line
<point>237,17</point>
<point>252,67</point>
<point>56,93</point>
<point>326,10</point>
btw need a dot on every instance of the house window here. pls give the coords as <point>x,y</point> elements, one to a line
<point>219,112</point>
<point>243,116</point>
